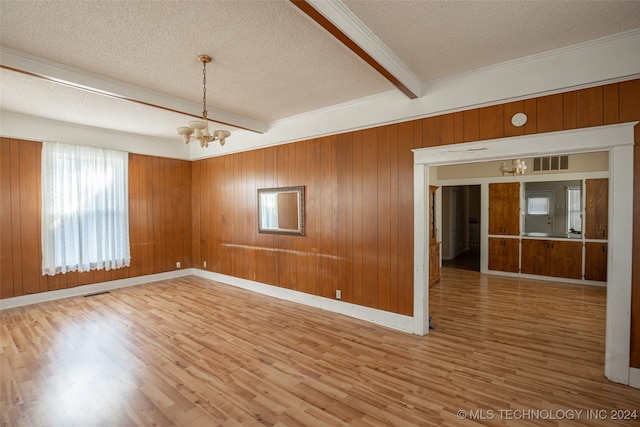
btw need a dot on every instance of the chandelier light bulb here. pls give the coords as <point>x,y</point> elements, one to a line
<point>518,167</point>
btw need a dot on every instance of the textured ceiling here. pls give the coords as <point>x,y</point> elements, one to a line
<point>441,38</point>
<point>270,61</point>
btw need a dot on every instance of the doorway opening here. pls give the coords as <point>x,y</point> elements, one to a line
<point>461,227</point>
<point>618,141</point>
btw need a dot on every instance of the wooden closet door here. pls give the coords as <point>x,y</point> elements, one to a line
<point>596,210</point>
<point>595,261</point>
<point>504,254</point>
<point>504,208</point>
<point>565,259</point>
<point>535,255</point>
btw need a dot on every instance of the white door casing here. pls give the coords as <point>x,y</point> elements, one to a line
<point>618,141</point>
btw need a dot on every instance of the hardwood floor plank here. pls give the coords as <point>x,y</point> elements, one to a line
<point>190,351</point>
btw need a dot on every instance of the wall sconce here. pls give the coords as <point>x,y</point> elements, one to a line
<point>517,168</point>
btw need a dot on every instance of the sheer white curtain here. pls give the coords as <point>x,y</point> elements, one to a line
<point>85,214</point>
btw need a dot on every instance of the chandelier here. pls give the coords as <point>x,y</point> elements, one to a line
<point>199,129</point>
<point>517,168</point>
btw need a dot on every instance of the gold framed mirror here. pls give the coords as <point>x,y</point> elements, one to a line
<point>281,210</point>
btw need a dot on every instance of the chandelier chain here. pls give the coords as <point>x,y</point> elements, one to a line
<point>204,87</point>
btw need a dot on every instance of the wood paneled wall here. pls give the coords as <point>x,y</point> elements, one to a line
<point>358,217</point>
<point>359,231</point>
<point>159,220</point>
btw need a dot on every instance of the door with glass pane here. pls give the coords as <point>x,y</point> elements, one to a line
<point>539,211</point>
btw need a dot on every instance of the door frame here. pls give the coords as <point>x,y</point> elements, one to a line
<point>618,140</point>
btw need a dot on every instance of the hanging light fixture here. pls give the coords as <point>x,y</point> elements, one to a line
<point>517,168</point>
<point>199,129</point>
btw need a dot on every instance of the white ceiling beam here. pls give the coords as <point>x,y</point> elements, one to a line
<point>351,30</point>
<point>59,73</point>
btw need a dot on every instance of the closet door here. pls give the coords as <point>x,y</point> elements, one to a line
<point>596,209</point>
<point>504,208</point>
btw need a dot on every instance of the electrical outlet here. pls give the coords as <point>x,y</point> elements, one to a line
<point>338,294</point>
<point>204,264</point>
<point>178,264</point>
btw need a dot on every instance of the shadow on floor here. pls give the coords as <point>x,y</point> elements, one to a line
<point>468,260</point>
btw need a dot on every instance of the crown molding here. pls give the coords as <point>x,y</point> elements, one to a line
<point>614,40</point>
<point>41,68</point>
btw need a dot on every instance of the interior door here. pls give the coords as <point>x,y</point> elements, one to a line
<point>539,212</point>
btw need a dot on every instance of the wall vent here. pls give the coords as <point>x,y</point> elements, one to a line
<point>551,163</point>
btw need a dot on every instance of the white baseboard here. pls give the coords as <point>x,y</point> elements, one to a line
<point>379,317</point>
<point>634,377</point>
<point>90,289</point>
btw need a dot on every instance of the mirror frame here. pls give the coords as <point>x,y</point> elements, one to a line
<point>299,190</point>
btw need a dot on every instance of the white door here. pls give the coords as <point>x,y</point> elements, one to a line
<point>539,212</point>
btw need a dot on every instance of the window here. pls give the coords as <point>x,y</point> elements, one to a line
<point>574,210</point>
<point>85,214</point>
<point>538,205</point>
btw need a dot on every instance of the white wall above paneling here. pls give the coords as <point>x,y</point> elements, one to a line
<point>37,129</point>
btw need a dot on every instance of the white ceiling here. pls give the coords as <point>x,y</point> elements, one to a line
<point>270,61</point>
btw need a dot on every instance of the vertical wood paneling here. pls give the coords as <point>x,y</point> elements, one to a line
<point>407,133</point>
<point>447,129</point>
<point>431,126</point>
<point>196,207</point>
<point>6,235</point>
<point>589,107</point>
<point>384,218</point>
<point>531,110</point>
<point>145,212</point>
<point>43,282</point>
<point>207,215</point>
<point>458,127</point>
<point>134,213</point>
<point>370,217</point>
<point>549,113</point>
<point>491,122</point>
<point>16,216</point>
<point>327,220</point>
<point>314,212</point>
<point>610,104</point>
<point>569,110</point>
<point>394,214</point>
<point>471,126</point>
<point>358,218</point>
<point>344,146</point>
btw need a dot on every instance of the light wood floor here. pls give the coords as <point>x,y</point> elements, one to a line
<point>190,352</point>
